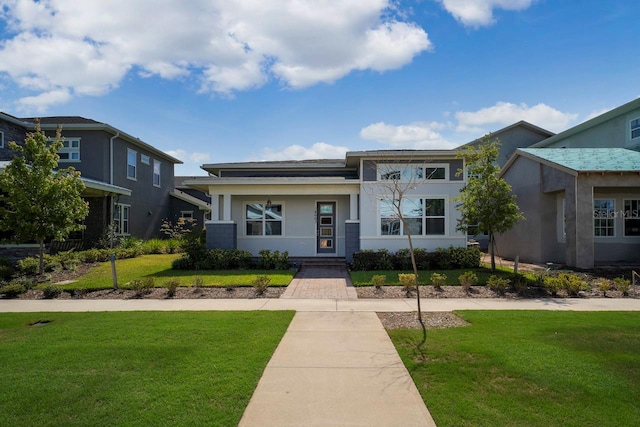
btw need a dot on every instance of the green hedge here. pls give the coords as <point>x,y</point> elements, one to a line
<point>441,259</point>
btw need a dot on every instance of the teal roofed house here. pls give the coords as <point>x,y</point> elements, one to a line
<point>580,193</point>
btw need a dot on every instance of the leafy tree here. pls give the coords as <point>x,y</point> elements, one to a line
<point>38,202</point>
<point>486,203</point>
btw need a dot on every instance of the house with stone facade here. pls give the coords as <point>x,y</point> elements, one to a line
<point>129,183</point>
<point>335,207</point>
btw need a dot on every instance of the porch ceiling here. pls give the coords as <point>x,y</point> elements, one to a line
<point>273,186</point>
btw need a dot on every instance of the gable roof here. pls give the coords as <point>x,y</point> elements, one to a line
<point>582,160</point>
<point>611,114</point>
<point>82,123</point>
<point>521,124</point>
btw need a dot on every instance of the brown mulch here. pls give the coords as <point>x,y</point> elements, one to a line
<point>432,320</point>
<point>245,292</point>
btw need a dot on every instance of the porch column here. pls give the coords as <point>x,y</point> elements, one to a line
<point>226,207</point>
<point>583,247</point>
<point>215,207</point>
<point>353,206</point>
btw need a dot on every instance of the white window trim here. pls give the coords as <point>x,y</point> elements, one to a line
<point>1,139</point>
<point>135,153</point>
<point>157,162</point>
<point>262,236</point>
<point>190,213</point>
<point>70,150</point>
<point>633,213</point>
<point>424,219</point>
<point>593,224</point>
<point>382,167</point>
<point>144,159</point>
<point>123,206</point>
<point>632,138</point>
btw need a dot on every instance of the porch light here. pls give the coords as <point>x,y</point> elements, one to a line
<point>268,204</point>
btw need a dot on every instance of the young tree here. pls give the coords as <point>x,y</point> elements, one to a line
<point>396,183</point>
<point>486,203</point>
<point>37,201</point>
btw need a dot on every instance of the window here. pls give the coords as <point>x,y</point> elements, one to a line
<point>70,150</point>
<point>145,159</point>
<point>413,172</point>
<point>263,220</point>
<point>423,217</point>
<point>186,214</point>
<point>635,128</point>
<point>1,139</point>
<point>632,217</point>
<point>121,219</point>
<point>132,164</point>
<point>156,173</point>
<point>604,217</point>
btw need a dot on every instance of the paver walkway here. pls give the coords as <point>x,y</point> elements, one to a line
<point>321,283</point>
<point>336,369</point>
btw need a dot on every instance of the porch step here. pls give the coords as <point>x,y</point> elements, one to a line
<point>320,262</point>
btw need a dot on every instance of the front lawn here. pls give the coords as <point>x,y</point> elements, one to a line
<point>363,278</point>
<point>159,267</point>
<point>529,369</point>
<point>133,368</point>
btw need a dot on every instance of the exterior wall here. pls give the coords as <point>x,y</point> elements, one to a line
<point>299,224</point>
<point>150,205</point>
<point>10,132</point>
<point>221,235</point>
<point>178,206</point>
<point>610,134</point>
<point>370,237</point>
<point>514,138</point>
<point>352,239</point>
<point>94,153</point>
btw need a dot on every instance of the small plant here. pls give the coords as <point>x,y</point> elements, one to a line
<point>438,280</point>
<point>553,284</point>
<point>604,285</point>
<point>172,285</point>
<point>519,284</point>
<point>198,281</point>
<point>378,280</point>
<point>622,285</point>
<point>499,285</point>
<point>51,291</point>
<point>408,282</point>
<point>261,283</point>
<point>573,283</point>
<point>12,290</point>
<point>143,286</point>
<point>467,280</point>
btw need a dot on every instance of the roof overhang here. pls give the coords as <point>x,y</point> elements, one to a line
<point>283,186</point>
<point>201,204</point>
<point>98,188</point>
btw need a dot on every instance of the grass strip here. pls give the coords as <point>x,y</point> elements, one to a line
<point>524,368</point>
<point>133,368</point>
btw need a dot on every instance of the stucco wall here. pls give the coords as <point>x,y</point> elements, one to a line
<point>10,132</point>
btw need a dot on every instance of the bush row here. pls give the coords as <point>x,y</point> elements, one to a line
<point>441,259</point>
<point>197,257</point>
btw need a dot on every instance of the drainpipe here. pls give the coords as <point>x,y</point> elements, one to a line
<point>111,156</point>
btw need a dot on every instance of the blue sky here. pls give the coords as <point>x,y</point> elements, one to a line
<point>212,81</point>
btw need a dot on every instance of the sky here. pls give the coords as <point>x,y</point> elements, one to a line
<point>217,81</point>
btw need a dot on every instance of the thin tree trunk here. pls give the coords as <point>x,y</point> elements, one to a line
<point>492,245</point>
<point>415,272</point>
<point>41,258</point>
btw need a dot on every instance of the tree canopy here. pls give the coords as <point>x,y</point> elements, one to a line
<point>486,204</point>
<point>37,200</point>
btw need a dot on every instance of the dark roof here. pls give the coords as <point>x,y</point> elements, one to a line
<point>61,120</point>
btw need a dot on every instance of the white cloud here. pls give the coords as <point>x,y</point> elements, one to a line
<point>506,113</point>
<point>319,150</point>
<point>417,135</point>
<point>40,102</point>
<point>194,158</point>
<point>87,47</point>
<point>479,13</point>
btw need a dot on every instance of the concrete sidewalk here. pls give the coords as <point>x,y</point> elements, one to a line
<point>322,305</point>
<point>336,369</point>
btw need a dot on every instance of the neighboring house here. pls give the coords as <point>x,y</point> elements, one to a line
<point>333,208</point>
<point>190,203</point>
<point>128,182</point>
<point>580,193</point>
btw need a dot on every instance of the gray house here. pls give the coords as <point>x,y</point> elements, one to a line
<point>128,182</point>
<point>580,193</point>
<point>333,208</point>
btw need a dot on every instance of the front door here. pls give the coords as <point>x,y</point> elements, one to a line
<point>326,228</point>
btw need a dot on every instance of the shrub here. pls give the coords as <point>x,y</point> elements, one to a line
<point>464,257</point>
<point>94,255</point>
<point>143,286</point>
<point>31,265</point>
<point>371,261</point>
<point>51,291</point>
<point>7,270</point>
<point>261,283</point>
<point>408,281</point>
<point>553,284</point>
<point>422,258</point>
<point>401,260</point>
<point>603,285</point>
<point>519,284</point>
<point>172,246</point>
<point>172,285</point>
<point>440,259</point>
<point>622,285</point>
<point>497,284</point>
<point>153,246</point>
<point>438,280</point>
<point>378,280</point>
<point>12,290</point>
<point>467,280</point>
<point>573,283</point>
<point>181,263</point>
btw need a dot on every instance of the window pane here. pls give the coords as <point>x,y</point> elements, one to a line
<point>434,207</point>
<point>390,175</point>
<point>389,227</point>
<point>387,208</point>
<point>414,225</point>
<point>254,228</point>
<point>273,228</point>
<point>326,209</point>
<point>255,211</point>
<point>435,226</point>
<point>412,208</point>
<point>274,212</point>
<point>435,173</point>
<point>632,217</point>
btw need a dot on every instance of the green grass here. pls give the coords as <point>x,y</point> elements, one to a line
<point>529,369</point>
<point>363,278</point>
<point>135,368</point>
<point>159,267</point>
